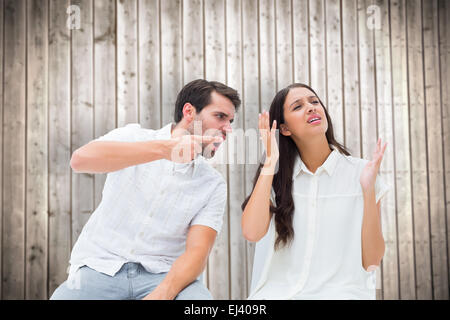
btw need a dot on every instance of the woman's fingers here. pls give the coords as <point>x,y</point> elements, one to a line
<point>274,126</point>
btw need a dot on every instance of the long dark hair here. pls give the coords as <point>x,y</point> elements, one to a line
<point>282,180</point>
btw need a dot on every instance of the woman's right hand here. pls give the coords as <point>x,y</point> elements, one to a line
<point>268,137</point>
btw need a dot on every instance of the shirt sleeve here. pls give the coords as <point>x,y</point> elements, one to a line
<point>211,214</point>
<point>130,133</point>
<point>381,188</point>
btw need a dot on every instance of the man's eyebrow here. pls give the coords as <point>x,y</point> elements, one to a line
<point>300,99</point>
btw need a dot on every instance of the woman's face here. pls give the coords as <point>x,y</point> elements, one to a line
<point>304,115</point>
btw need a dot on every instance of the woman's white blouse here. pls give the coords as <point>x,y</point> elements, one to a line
<point>324,260</point>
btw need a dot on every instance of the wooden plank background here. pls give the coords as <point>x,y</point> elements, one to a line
<point>381,66</point>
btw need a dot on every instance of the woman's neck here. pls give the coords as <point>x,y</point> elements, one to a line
<point>314,152</point>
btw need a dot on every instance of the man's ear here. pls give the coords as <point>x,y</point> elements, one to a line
<point>284,130</point>
<point>188,112</point>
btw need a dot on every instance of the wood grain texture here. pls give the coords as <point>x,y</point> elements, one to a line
<point>104,77</point>
<point>284,50</point>
<point>435,166</point>
<point>385,122</point>
<point>149,64</point>
<point>236,174</point>
<point>444,50</point>
<point>350,54</point>
<point>318,62</point>
<point>1,137</point>
<point>401,129</point>
<point>250,101</point>
<point>215,70</point>
<point>171,56</point>
<point>127,62</point>
<point>59,129</point>
<point>334,67</point>
<point>418,150</point>
<point>82,113</point>
<point>37,151</point>
<point>300,27</point>
<point>381,67</point>
<point>14,150</point>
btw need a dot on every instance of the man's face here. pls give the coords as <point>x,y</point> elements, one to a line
<point>214,120</point>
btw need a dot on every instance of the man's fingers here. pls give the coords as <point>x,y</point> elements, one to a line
<point>207,139</point>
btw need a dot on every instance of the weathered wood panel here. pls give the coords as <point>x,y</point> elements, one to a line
<point>149,64</point>
<point>300,27</point>
<point>435,167</point>
<point>283,44</point>
<point>418,150</point>
<point>127,62</point>
<point>82,113</point>
<point>215,69</point>
<point>334,67</point>
<point>236,189</point>
<point>444,50</point>
<point>14,150</point>
<point>385,120</point>
<point>401,128</point>
<point>171,56</point>
<point>381,67</point>
<point>104,77</point>
<point>1,139</point>
<point>37,151</point>
<point>350,54</point>
<point>59,189</point>
<point>250,101</point>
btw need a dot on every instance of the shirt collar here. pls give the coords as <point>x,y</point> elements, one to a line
<point>164,134</point>
<point>329,165</point>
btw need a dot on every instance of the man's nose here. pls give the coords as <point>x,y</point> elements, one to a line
<point>227,128</point>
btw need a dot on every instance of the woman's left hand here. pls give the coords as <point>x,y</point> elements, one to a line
<point>370,171</point>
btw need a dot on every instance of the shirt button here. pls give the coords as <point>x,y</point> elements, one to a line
<point>132,251</point>
<point>141,234</point>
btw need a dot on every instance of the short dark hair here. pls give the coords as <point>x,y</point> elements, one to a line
<point>198,93</point>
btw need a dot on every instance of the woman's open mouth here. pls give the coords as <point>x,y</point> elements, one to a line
<point>314,120</point>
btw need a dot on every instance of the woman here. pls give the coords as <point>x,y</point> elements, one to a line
<point>321,226</point>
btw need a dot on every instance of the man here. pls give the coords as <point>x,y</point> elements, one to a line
<point>162,203</point>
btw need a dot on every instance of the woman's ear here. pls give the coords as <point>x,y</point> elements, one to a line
<point>284,130</point>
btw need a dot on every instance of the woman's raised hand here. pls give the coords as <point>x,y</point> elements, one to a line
<point>369,174</point>
<point>268,137</point>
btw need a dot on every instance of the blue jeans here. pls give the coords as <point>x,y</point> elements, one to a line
<point>131,282</point>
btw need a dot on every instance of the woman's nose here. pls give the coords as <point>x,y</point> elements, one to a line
<point>311,108</point>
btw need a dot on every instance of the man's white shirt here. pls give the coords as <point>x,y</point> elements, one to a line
<point>146,210</point>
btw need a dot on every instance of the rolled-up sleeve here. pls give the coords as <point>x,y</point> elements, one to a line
<point>211,214</point>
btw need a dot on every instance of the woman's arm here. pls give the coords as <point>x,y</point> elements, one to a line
<point>372,242</point>
<point>256,216</point>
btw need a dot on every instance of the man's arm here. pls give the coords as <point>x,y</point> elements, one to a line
<point>188,266</point>
<point>108,156</point>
